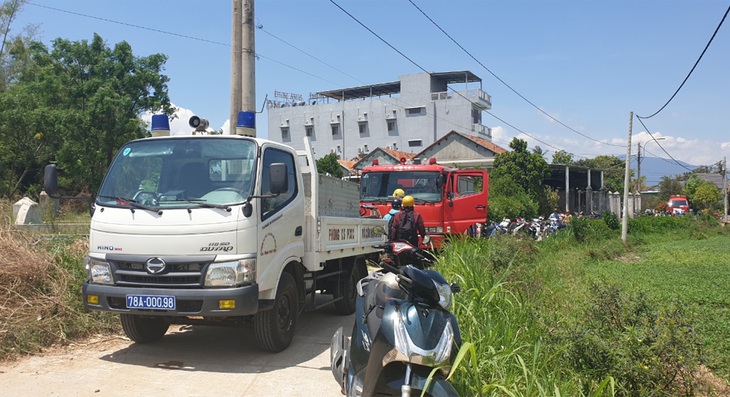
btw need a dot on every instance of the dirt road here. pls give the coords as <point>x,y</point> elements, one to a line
<point>188,361</point>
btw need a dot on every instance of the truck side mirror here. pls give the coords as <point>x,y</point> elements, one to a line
<point>278,178</point>
<point>50,180</point>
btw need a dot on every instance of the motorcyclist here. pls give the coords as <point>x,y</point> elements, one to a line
<point>395,206</point>
<point>408,224</point>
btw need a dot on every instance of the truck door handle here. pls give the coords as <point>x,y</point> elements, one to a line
<point>298,231</point>
<point>480,207</point>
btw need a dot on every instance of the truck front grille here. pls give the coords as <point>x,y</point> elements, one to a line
<point>132,273</point>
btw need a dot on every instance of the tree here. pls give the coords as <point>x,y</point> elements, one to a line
<point>77,104</point>
<point>668,187</point>
<point>691,186</point>
<point>526,170</point>
<point>329,165</point>
<point>13,56</point>
<point>613,170</point>
<point>706,196</point>
<point>563,157</point>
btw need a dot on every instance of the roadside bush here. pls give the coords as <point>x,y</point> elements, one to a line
<point>40,284</point>
<point>505,250</point>
<point>649,348</point>
<point>588,230</point>
<point>611,220</point>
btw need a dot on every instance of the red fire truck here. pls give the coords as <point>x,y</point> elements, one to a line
<point>449,200</point>
<point>677,205</point>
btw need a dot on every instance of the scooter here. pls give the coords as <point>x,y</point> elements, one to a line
<point>403,330</point>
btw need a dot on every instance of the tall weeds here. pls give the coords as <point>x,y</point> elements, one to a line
<point>502,326</point>
<point>40,284</point>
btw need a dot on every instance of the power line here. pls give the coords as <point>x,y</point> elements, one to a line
<point>258,54</point>
<point>691,70</point>
<point>424,70</point>
<point>660,145</point>
<point>503,82</point>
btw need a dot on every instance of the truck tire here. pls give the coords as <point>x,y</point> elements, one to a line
<point>274,328</point>
<point>143,329</point>
<point>347,288</point>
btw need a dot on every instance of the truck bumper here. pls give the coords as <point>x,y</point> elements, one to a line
<point>189,302</point>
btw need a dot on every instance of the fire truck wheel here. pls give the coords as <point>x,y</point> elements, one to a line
<point>347,287</point>
<point>143,329</point>
<point>274,328</point>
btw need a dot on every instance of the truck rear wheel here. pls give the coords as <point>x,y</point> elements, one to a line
<point>274,328</point>
<point>347,287</point>
<point>143,329</point>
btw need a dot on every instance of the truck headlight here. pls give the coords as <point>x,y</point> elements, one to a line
<point>231,274</point>
<point>99,271</point>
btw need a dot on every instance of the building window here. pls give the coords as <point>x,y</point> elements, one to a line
<point>335,129</point>
<point>284,133</point>
<point>415,143</point>
<point>391,125</point>
<point>416,111</point>
<point>363,127</point>
<point>309,131</point>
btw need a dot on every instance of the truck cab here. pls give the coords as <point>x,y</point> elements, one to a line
<point>677,205</point>
<point>449,200</point>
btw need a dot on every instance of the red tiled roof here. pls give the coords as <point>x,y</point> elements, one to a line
<point>487,144</point>
<point>397,154</point>
<point>349,164</point>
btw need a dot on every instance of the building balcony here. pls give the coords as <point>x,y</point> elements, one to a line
<point>480,99</point>
<point>482,130</point>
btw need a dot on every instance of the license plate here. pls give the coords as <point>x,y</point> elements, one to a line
<point>161,302</point>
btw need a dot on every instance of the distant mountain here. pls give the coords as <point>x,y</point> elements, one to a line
<point>654,168</point>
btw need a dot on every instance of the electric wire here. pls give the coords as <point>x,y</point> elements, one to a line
<point>505,83</point>
<point>691,70</point>
<point>426,71</point>
<point>257,54</point>
<point>662,147</point>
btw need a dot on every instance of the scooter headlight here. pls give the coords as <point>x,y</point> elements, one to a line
<point>407,351</point>
<point>444,291</point>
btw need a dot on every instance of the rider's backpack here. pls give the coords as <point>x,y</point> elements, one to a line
<point>407,226</point>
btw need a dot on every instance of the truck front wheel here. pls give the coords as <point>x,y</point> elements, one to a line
<point>143,329</point>
<point>274,328</point>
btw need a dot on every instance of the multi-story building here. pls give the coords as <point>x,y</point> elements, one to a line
<point>406,115</point>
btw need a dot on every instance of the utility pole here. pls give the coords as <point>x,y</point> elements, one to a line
<point>236,61</point>
<point>243,69</point>
<point>638,167</point>
<point>625,219</point>
<point>724,188</point>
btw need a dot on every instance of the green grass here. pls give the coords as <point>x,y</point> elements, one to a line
<point>537,313</point>
<point>694,271</point>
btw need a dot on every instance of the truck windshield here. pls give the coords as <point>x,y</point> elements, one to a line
<point>422,185</point>
<point>180,172</point>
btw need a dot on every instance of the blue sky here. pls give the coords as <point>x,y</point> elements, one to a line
<point>587,63</point>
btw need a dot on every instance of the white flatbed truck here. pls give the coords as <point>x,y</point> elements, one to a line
<point>222,230</point>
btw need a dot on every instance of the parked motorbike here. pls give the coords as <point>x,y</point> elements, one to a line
<point>402,331</point>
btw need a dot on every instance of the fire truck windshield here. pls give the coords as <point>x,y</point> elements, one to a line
<point>424,186</point>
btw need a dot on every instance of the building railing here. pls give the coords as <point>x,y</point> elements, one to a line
<point>482,130</point>
<point>478,97</point>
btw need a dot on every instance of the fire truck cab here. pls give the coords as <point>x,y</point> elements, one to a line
<point>449,200</point>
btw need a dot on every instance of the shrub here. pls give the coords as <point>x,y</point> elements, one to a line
<point>588,230</point>
<point>611,220</point>
<point>647,347</point>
